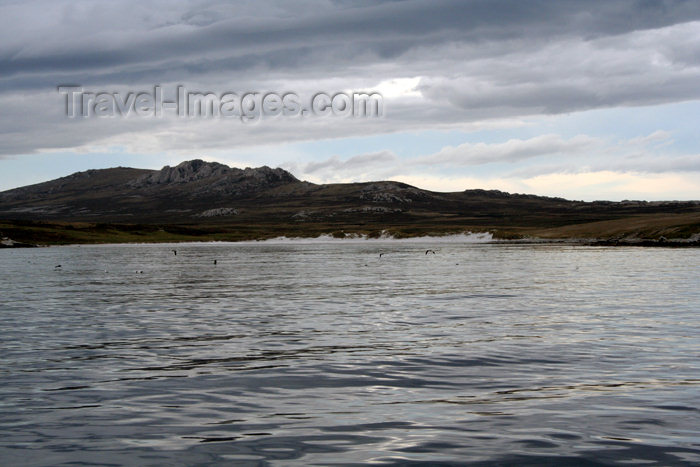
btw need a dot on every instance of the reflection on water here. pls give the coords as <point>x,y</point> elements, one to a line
<point>326,353</point>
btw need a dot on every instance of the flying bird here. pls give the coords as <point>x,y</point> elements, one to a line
<point>429,251</point>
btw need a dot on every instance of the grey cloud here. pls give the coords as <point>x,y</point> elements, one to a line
<point>639,163</point>
<point>385,30</point>
<point>656,138</point>
<point>574,74</point>
<point>652,164</point>
<point>510,151</point>
<point>356,163</point>
<point>594,155</point>
<point>478,59</point>
<point>376,165</point>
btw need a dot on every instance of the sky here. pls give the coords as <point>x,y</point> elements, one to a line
<point>582,99</point>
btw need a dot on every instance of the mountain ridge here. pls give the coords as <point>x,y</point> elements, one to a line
<point>233,203</point>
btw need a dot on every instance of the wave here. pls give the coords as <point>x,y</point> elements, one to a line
<point>466,237</point>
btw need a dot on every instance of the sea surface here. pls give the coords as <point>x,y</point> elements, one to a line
<point>325,353</point>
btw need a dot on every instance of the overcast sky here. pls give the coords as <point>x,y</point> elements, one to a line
<point>583,99</point>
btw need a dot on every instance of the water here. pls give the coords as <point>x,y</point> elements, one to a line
<point>323,353</point>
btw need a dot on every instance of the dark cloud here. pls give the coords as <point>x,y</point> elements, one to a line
<point>384,30</point>
<point>477,60</point>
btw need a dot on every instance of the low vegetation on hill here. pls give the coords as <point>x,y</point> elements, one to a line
<point>198,200</point>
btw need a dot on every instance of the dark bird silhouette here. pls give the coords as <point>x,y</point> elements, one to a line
<point>175,252</point>
<point>429,251</point>
<point>56,267</point>
<point>381,254</point>
<point>214,262</point>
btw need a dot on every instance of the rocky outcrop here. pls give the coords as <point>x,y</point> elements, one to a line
<point>391,192</point>
<point>189,171</point>
<point>217,212</point>
<point>371,209</point>
<point>219,174</point>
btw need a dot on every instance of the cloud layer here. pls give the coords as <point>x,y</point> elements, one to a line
<point>442,65</point>
<point>472,61</point>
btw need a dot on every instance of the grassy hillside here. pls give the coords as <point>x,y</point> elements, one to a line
<point>204,201</point>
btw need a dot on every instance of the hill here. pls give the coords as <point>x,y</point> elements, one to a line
<point>211,201</point>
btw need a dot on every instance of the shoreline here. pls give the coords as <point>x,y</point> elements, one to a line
<point>476,238</point>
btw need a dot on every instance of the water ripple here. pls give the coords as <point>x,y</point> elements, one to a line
<point>316,354</point>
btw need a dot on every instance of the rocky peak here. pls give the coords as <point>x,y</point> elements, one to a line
<point>188,171</point>
<point>218,175</point>
<point>266,174</point>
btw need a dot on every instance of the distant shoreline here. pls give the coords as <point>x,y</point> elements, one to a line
<point>448,238</point>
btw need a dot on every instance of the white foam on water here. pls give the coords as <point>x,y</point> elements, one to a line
<point>467,237</point>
